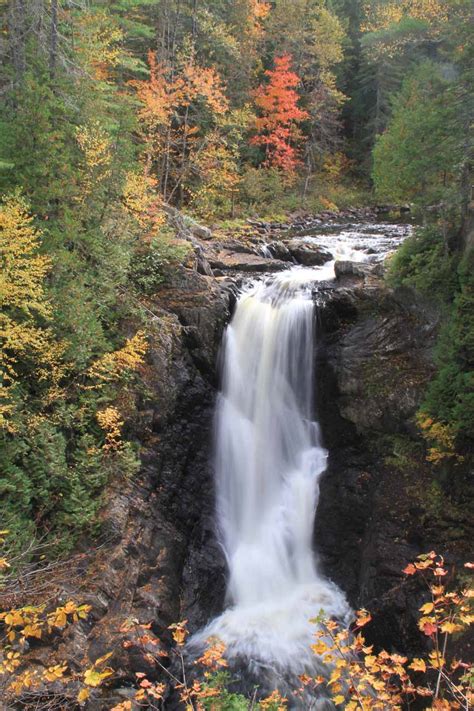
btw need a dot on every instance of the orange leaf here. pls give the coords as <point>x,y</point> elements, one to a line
<point>429,629</point>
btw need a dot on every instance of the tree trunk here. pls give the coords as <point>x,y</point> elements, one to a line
<point>466,233</point>
<point>17,35</point>
<point>53,46</point>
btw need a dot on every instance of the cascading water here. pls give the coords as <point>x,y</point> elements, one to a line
<point>269,458</point>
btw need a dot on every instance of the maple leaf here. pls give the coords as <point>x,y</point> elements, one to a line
<point>179,632</point>
<point>450,627</point>
<point>418,665</point>
<point>427,608</point>
<point>428,628</point>
<point>363,617</point>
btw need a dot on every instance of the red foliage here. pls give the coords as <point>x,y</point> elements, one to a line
<point>277,125</point>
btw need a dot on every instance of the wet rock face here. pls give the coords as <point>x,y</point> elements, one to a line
<point>240,262</point>
<point>181,451</point>
<point>380,504</point>
<point>384,360</point>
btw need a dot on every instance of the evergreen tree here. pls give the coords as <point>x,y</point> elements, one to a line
<point>417,157</point>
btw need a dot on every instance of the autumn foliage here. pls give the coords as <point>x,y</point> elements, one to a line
<point>26,311</point>
<point>355,675</point>
<point>277,126</point>
<point>365,679</point>
<point>173,102</point>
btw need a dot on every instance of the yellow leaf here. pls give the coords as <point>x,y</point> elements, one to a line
<point>83,695</point>
<point>320,647</point>
<point>450,627</point>
<point>339,699</point>
<point>103,659</point>
<point>418,665</point>
<point>436,660</point>
<point>92,677</point>
<point>179,632</point>
<point>32,631</point>
<point>427,608</point>
<point>58,618</point>
<point>54,673</point>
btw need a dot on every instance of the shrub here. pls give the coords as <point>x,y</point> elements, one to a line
<point>424,263</point>
<point>153,262</point>
<point>450,396</point>
<point>261,188</point>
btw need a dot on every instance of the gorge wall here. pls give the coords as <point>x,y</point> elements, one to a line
<point>382,503</point>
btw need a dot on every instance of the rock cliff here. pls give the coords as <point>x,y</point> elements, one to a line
<point>381,503</point>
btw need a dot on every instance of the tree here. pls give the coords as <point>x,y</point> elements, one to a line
<point>417,156</point>
<point>395,37</point>
<point>219,179</point>
<point>314,36</point>
<point>26,339</point>
<point>277,126</point>
<point>175,106</point>
<point>66,128</point>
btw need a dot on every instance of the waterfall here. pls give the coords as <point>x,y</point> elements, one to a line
<point>268,461</point>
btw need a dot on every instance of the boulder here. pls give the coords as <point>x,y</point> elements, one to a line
<point>310,255</point>
<point>200,231</point>
<point>358,269</point>
<point>235,245</point>
<point>279,250</point>
<point>238,262</point>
